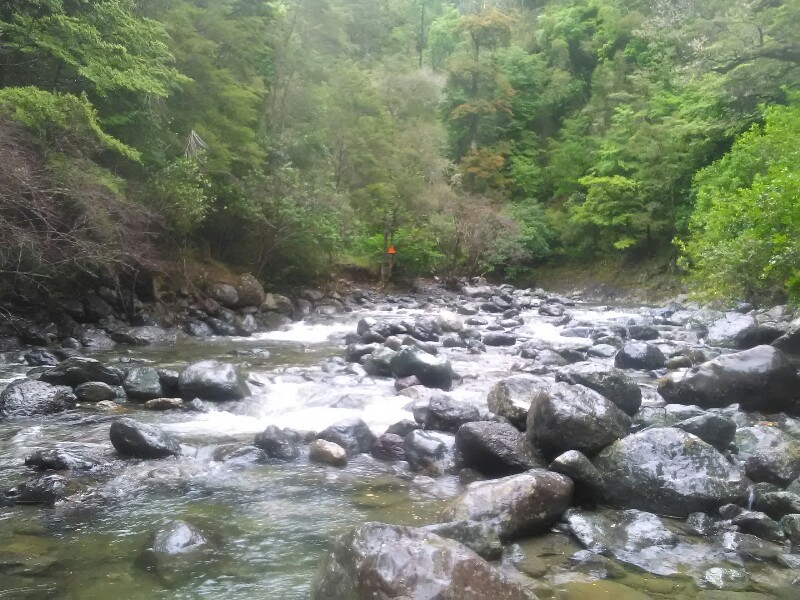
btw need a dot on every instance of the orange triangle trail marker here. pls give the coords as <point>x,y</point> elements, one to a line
<point>391,250</point>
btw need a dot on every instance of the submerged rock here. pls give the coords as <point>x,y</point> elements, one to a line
<point>30,398</point>
<point>518,505</point>
<point>669,472</point>
<point>212,380</point>
<point>138,440</point>
<point>388,561</point>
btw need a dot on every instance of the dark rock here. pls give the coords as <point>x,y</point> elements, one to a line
<point>95,391</point>
<point>277,444</point>
<point>239,455</point>
<point>760,525</point>
<point>277,303</point>
<point>272,321</point>
<point>44,489</point>
<point>432,371</point>
<point>551,310</point>
<point>777,504</point>
<point>761,378</point>
<point>212,380</point>
<point>138,440</point>
<point>143,336</point>
<point>354,352</point>
<point>221,327</point>
<point>56,459</point>
<point>733,331</point>
<point>711,428</point>
<point>225,294</point>
<point>96,340</point>
<point>249,291</point>
<point>427,450</point>
<point>403,428</point>
<point>517,505</point>
<point>95,309</point>
<point>769,454</point>
<point>639,355</point>
<point>669,472</point>
<point>642,332</point>
<point>791,528</point>
<point>573,417</point>
<point>377,364</point>
<point>39,357</point>
<point>499,339</point>
<point>175,550</point>
<point>789,342</point>
<point>143,383</point>
<point>78,369</point>
<point>389,446</point>
<point>170,382</point>
<point>587,479</point>
<point>353,435</point>
<point>612,383</point>
<point>328,453</point>
<point>30,398</point>
<point>495,449</point>
<point>447,414</point>
<point>198,329</point>
<point>478,537</point>
<point>511,398</point>
<point>389,561</point>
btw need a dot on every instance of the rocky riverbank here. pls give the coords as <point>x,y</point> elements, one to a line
<point>570,443</point>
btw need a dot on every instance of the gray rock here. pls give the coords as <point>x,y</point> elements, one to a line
<point>432,371</point>
<point>447,414</point>
<point>353,435</point>
<point>587,479</point>
<point>95,391</point>
<point>212,380</point>
<point>761,378</point>
<point>643,332</point>
<point>389,446</point>
<point>30,398</point>
<point>639,355</point>
<point>143,383</point>
<point>478,537</point>
<point>511,398</point>
<point>57,459</point>
<point>612,383</point>
<point>791,528</point>
<point>377,364</point>
<point>78,369</point>
<point>669,472</point>
<point>144,336</point>
<point>225,294</point>
<point>276,443</point>
<point>388,561</point>
<point>39,357</point>
<point>328,453</point>
<point>573,417</point>
<point>96,340</point>
<point>711,428</point>
<point>495,449</point>
<point>733,331</point>
<point>769,454</point>
<point>789,342</point>
<point>499,339</point>
<point>138,440</point>
<point>428,451</point>
<point>249,290</point>
<point>760,525</point>
<point>277,303</point>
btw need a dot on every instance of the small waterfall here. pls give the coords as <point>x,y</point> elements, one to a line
<point>751,496</point>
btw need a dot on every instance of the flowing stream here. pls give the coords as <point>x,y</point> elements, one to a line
<point>270,523</point>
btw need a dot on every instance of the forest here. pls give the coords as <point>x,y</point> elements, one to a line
<point>293,137</point>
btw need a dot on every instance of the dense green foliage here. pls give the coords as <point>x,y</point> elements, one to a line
<point>290,136</point>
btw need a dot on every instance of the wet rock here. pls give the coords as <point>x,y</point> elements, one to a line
<point>276,443</point>
<point>96,340</point>
<point>643,332</point>
<point>777,504</point>
<point>734,331</point>
<point>551,310</point>
<point>138,440</point>
<point>499,339</point>
<point>246,326</point>
<point>389,446</point>
<point>602,351</point>
<point>448,414</point>
<point>249,290</point>
<point>170,382</point>
<point>29,398</point>
<point>164,404</point>
<point>225,294</point>
<point>143,336</point>
<point>95,391</point>
<point>769,454</point>
<point>449,323</point>
<point>612,383</point>
<point>669,472</point>
<point>239,455</point>
<point>495,449</point>
<point>198,329</point>
<point>789,342</point>
<point>221,327</point>
<point>78,369</point>
<point>212,380</point>
<point>403,428</point>
<point>377,364</point>
<point>711,428</point>
<point>175,549</point>
<point>587,479</point>
<point>639,355</point>
<point>573,417</point>
<point>39,357</point>
<point>327,453</point>
<point>56,459</point>
<point>760,525</point>
<point>353,435</point>
<point>624,534</point>
<point>272,321</point>
<point>355,352</point>
<point>143,383</point>
<point>511,398</point>
<point>44,489</point>
<point>388,561</point>
<point>427,450</point>
<point>517,505</point>
<point>478,537</point>
<point>748,547</point>
<point>277,303</point>
<point>761,378</point>
<point>791,528</point>
<point>432,371</point>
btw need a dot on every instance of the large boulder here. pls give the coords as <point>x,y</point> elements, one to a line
<point>432,371</point>
<point>448,414</point>
<point>669,472</point>
<point>249,290</point>
<point>612,383</point>
<point>511,398</point>
<point>761,378</point>
<point>495,449</point>
<point>769,454</point>
<point>138,440</point>
<point>733,331</point>
<point>639,355</point>
<point>378,561</point>
<point>143,383</point>
<point>354,435</point>
<point>79,369</point>
<point>29,398</point>
<point>212,380</point>
<point>574,417</point>
<point>517,505</point>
